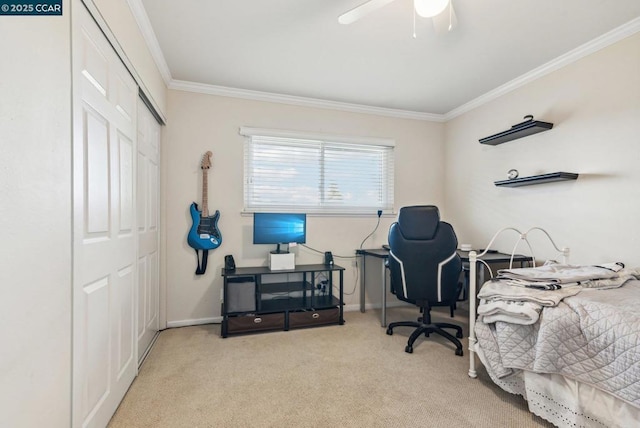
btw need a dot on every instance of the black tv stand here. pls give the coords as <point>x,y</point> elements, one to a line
<point>302,297</point>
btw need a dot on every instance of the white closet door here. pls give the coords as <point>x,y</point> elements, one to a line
<point>148,202</point>
<point>104,235</point>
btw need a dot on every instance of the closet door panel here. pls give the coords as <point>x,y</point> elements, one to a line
<point>148,230</point>
<point>124,295</point>
<point>95,350</point>
<point>125,146</point>
<point>104,221</point>
<point>96,193</point>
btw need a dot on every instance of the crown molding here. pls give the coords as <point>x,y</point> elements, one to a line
<point>224,91</point>
<point>142,19</point>
<point>580,52</point>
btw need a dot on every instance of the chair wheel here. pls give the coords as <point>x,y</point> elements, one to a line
<point>459,335</point>
<point>389,331</point>
<point>459,352</point>
<point>408,349</point>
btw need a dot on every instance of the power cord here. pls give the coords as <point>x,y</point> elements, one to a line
<point>357,270</point>
<point>374,229</point>
<point>322,252</point>
<point>355,284</point>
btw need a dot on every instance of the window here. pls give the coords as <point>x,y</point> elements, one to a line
<point>287,171</point>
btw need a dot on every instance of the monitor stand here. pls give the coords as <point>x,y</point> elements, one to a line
<point>278,251</point>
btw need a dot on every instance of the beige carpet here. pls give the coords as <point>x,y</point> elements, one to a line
<point>353,375</point>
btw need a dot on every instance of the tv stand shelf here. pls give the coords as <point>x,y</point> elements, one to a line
<point>258,299</point>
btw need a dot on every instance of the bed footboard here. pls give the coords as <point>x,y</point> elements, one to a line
<point>474,259</point>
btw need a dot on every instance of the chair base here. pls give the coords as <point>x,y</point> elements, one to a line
<point>426,329</point>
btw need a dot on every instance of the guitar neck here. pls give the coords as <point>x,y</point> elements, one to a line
<point>205,193</point>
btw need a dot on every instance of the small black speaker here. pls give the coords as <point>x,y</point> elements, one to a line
<point>229,263</point>
<point>328,258</point>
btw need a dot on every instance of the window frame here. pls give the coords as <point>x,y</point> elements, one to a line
<point>387,186</point>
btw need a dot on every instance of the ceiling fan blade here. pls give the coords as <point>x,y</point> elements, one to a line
<point>446,21</point>
<point>358,12</point>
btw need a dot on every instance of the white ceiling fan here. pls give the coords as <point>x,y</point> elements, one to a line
<point>444,17</point>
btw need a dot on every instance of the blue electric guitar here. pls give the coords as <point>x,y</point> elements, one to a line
<point>204,233</point>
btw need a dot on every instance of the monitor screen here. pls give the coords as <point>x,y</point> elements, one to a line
<point>279,228</point>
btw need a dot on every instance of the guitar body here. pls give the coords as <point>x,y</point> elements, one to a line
<point>204,233</point>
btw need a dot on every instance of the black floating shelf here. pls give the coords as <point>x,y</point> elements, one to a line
<point>523,129</point>
<point>537,179</point>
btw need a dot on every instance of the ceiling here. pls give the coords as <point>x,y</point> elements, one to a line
<point>298,48</point>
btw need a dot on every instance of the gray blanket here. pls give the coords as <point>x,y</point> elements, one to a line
<point>592,337</point>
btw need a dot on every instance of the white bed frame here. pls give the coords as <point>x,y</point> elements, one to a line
<point>562,401</point>
<point>474,258</point>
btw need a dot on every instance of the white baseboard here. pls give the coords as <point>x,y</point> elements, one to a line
<point>199,321</point>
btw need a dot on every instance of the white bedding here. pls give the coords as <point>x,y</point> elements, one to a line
<point>592,337</point>
<point>500,290</point>
<point>516,312</point>
<point>568,403</point>
<point>520,301</point>
<point>557,273</point>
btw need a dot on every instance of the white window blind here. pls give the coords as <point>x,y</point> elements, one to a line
<point>285,171</point>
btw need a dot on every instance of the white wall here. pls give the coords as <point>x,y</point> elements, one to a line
<point>201,122</point>
<point>35,221</point>
<point>594,104</point>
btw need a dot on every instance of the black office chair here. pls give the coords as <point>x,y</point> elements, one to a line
<point>425,269</point>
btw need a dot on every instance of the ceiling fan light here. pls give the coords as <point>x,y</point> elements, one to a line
<point>430,8</point>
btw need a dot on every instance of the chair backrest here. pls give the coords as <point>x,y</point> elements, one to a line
<point>423,261</point>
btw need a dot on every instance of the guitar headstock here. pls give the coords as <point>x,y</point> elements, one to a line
<point>206,160</point>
